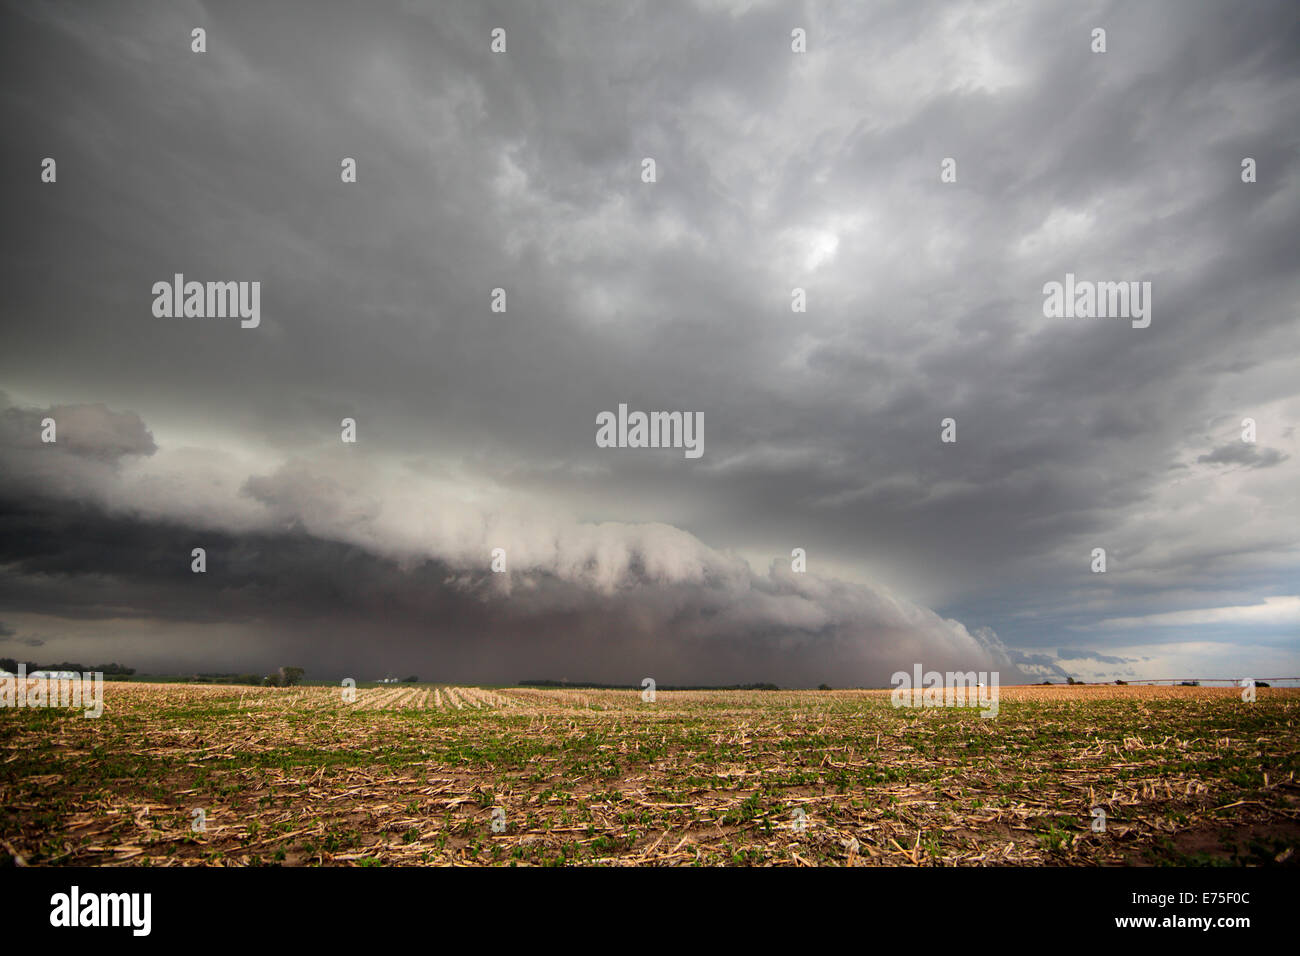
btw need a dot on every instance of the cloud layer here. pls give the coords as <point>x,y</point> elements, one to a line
<point>776,171</point>
<point>340,543</point>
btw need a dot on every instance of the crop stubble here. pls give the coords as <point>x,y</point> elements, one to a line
<point>411,775</point>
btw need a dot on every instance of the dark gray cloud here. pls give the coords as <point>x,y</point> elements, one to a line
<point>521,171</point>
<point>86,431</point>
<point>1072,654</point>
<point>1243,453</point>
<point>353,611</point>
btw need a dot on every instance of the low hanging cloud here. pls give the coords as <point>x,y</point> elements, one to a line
<point>592,600</point>
<point>88,431</point>
<point>1074,654</point>
<point>1243,453</point>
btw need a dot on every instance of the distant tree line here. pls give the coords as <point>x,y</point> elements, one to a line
<point>11,665</point>
<point>592,685</point>
<point>222,678</point>
<point>285,677</point>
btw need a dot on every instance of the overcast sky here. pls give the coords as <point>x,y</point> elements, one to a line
<point>476,429</point>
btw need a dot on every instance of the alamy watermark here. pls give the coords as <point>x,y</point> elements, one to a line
<point>53,689</point>
<point>951,689</point>
<point>210,300</point>
<point>651,430</point>
<point>1098,300</point>
<point>75,908</point>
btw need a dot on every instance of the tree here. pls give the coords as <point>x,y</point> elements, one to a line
<point>290,676</point>
<point>411,680</point>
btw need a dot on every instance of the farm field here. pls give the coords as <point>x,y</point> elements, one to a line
<point>434,774</point>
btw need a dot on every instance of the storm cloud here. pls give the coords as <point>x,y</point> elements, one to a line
<point>522,171</point>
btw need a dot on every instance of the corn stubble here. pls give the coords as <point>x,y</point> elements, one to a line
<point>412,775</point>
